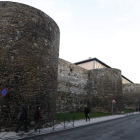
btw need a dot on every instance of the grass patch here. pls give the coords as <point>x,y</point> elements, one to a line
<point>129,110</point>
<point>80,115</point>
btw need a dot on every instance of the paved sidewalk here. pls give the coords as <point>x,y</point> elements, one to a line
<point>77,123</point>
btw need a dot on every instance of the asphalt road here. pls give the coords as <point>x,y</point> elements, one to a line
<point>127,128</point>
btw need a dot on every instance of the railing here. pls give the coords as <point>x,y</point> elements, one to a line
<point>63,122</point>
<point>59,121</point>
<point>56,123</point>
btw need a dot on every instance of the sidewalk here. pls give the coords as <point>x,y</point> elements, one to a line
<point>77,123</point>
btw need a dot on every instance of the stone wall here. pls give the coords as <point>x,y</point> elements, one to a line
<point>104,85</point>
<point>29,42</point>
<point>131,94</point>
<point>71,89</point>
<point>96,88</point>
<point>29,47</point>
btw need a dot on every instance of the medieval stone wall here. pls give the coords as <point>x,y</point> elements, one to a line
<point>104,85</point>
<point>71,89</point>
<point>131,94</point>
<point>96,88</point>
<point>29,47</point>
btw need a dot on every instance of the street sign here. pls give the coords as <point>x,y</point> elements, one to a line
<point>4,92</point>
<point>113,101</point>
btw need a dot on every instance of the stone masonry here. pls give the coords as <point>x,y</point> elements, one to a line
<point>104,85</point>
<point>96,88</point>
<point>29,48</point>
<point>71,91</point>
<point>29,69</point>
<point>131,94</point>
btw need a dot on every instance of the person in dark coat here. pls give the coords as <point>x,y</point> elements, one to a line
<point>86,112</point>
<point>22,118</point>
<point>37,117</point>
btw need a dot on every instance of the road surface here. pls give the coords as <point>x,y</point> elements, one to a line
<point>126,128</point>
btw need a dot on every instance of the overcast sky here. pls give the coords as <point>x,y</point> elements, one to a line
<point>106,29</point>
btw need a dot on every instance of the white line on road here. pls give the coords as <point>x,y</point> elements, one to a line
<point>107,133</point>
<point>111,132</point>
<point>104,135</point>
<point>133,122</point>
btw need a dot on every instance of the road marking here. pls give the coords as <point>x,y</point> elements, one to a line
<point>133,122</point>
<point>104,135</point>
<point>107,133</point>
<point>111,132</point>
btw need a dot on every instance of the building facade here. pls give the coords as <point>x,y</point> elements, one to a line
<point>94,63</point>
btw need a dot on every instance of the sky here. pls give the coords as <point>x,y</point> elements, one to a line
<point>106,29</point>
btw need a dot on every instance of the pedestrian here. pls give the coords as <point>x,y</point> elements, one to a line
<point>86,112</point>
<point>37,118</point>
<point>22,118</point>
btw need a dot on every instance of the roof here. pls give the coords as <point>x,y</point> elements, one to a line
<point>92,59</point>
<point>126,79</point>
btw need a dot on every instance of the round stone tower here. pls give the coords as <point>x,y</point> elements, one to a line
<point>131,95</point>
<point>29,49</point>
<point>105,85</point>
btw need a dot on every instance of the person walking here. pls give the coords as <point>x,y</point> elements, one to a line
<point>22,118</point>
<point>37,118</point>
<point>86,112</point>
